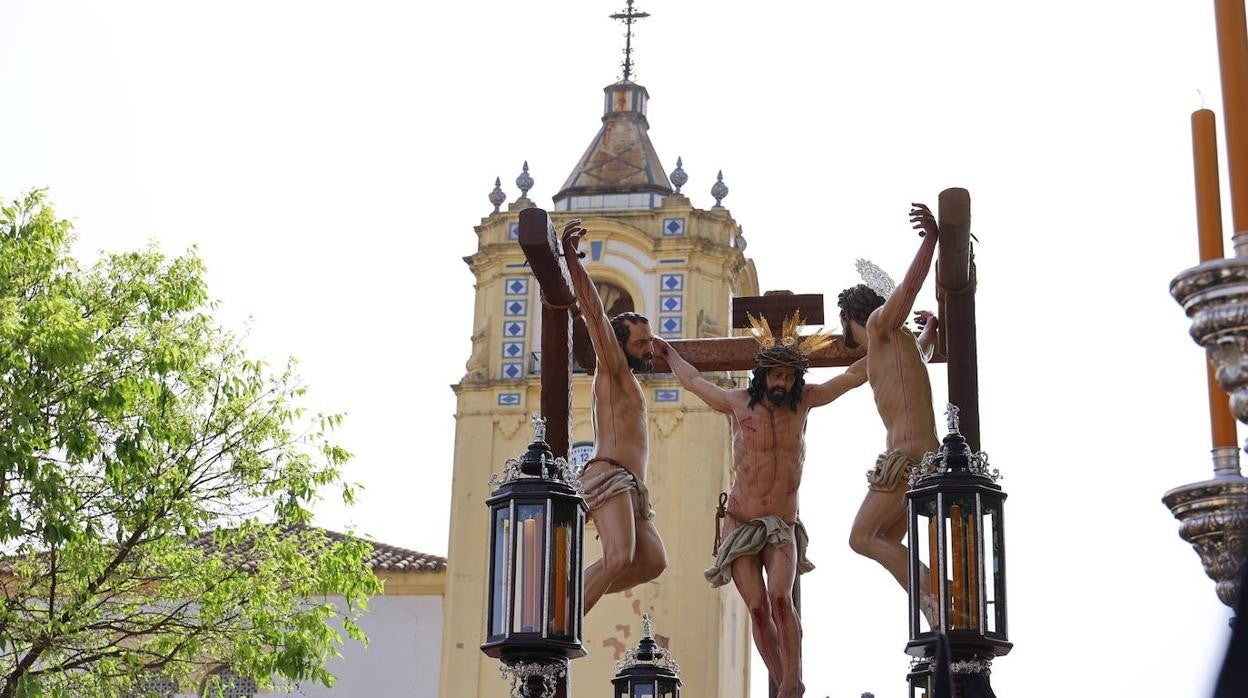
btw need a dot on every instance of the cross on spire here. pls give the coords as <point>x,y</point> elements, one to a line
<point>628,16</point>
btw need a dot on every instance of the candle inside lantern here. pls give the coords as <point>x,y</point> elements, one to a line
<point>933,570</point>
<point>1209,228</point>
<point>957,560</point>
<point>559,578</point>
<point>972,561</point>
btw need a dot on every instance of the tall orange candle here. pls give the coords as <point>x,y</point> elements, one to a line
<point>1233,60</point>
<point>1209,228</point>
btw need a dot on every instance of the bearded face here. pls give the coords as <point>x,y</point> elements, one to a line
<point>780,385</point>
<point>639,349</point>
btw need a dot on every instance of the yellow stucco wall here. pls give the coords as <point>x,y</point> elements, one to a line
<point>707,630</point>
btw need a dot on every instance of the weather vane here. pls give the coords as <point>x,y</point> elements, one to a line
<point>628,16</point>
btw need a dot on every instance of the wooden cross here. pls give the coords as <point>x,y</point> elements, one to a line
<point>956,341</point>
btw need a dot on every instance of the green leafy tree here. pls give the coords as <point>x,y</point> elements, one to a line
<point>154,483</point>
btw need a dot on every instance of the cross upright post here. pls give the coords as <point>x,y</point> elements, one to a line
<point>541,249</point>
<point>955,292</point>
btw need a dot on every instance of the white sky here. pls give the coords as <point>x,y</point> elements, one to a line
<point>330,160</point>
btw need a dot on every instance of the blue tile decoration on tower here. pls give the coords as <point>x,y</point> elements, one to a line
<point>516,307</point>
<point>672,303</point>
<point>671,326</point>
<point>673,227</point>
<point>513,231</point>
<point>513,350</point>
<point>516,286</point>
<point>667,395</point>
<point>595,250</point>
<point>508,399</point>
<point>514,328</point>
<point>512,370</point>
<point>671,282</point>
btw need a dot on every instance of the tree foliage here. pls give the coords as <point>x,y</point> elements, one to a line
<point>154,482</point>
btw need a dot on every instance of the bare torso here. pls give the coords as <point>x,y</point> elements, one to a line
<point>768,453</point>
<point>903,392</point>
<point>619,414</point>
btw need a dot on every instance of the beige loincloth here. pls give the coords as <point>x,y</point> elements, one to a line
<point>604,483</point>
<point>750,538</point>
<point>891,469</point>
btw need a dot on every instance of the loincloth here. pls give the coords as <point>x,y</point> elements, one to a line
<point>750,538</point>
<point>891,469</point>
<point>605,483</point>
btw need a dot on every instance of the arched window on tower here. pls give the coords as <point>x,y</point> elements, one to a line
<point>226,683</point>
<point>615,300</point>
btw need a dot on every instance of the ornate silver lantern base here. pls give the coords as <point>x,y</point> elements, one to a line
<point>1215,296</point>
<point>1213,517</point>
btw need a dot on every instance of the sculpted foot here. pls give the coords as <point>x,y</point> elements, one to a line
<point>787,690</point>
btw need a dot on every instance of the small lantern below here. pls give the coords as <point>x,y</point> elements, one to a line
<point>647,671</point>
<point>920,679</point>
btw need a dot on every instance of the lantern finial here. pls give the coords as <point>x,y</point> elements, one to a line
<point>647,627</point>
<point>539,428</point>
<point>951,415</point>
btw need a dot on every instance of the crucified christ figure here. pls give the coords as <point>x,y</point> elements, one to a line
<point>760,528</point>
<point>615,477</point>
<point>896,367</point>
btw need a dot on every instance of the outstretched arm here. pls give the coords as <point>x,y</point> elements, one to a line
<point>606,348</point>
<point>830,390</point>
<point>713,395</point>
<point>927,338</point>
<point>892,315</point>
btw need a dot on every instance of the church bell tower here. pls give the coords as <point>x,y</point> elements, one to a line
<point>650,251</point>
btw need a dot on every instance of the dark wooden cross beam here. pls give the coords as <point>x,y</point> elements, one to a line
<point>541,249</point>
<point>955,295</point>
<point>737,353</point>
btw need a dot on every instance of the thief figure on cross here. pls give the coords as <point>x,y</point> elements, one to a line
<point>760,526</point>
<point>615,476</point>
<point>875,318</point>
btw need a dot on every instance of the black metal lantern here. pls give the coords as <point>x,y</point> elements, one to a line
<point>647,671</point>
<point>537,525</point>
<point>920,679</point>
<point>957,557</point>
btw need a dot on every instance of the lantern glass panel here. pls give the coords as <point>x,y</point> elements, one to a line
<point>926,546</point>
<point>994,567</point>
<point>962,562</point>
<point>530,549</point>
<point>500,538</point>
<point>621,689</point>
<point>667,690</point>
<point>563,564</point>
<point>643,690</point>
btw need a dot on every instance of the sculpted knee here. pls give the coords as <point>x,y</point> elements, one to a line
<point>782,607</point>
<point>760,610</point>
<point>616,562</point>
<point>860,543</point>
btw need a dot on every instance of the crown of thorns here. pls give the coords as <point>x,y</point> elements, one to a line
<point>789,349</point>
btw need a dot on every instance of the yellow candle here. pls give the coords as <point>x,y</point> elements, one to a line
<point>972,561</point>
<point>560,581</point>
<point>1233,60</point>
<point>957,561</point>
<point>933,557</point>
<point>1209,228</point>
